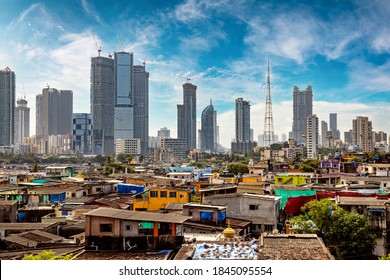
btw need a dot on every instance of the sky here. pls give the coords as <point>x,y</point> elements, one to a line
<point>341,48</point>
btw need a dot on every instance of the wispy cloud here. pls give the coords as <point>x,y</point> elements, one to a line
<point>90,11</point>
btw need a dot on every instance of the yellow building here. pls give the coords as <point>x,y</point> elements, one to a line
<point>158,198</point>
<point>292,178</point>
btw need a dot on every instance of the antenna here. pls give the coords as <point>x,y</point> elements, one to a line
<point>145,60</point>
<point>24,92</point>
<point>186,77</point>
<point>99,49</point>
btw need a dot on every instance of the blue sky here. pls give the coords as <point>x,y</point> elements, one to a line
<point>341,48</point>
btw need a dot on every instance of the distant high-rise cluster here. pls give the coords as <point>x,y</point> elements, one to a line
<point>119,102</point>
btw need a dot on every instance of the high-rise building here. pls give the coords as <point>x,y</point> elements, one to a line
<point>332,121</point>
<point>208,128</point>
<point>54,109</point>
<point>82,133</point>
<point>7,107</point>
<point>102,104</point>
<point>140,98</point>
<point>186,116</point>
<point>164,133</point>
<point>22,120</point>
<point>243,120</point>
<point>324,130</point>
<point>123,112</point>
<point>312,136</point>
<point>302,108</point>
<point>362,134</point>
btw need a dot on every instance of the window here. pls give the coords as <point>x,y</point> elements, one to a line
<point>268,227</point>
<point>128,227</point>
<point>153,193</point>
<point>163,193</point>
<point>253,207</point>
<point>105,227</point>
<point>172,194</point>
<point>182,196</point>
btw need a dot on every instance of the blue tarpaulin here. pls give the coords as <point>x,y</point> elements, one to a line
<point>206,215</point>
<point>130,189</point>
<point>221,216</point>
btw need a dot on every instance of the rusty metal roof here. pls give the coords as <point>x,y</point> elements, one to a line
<point>138,215</point>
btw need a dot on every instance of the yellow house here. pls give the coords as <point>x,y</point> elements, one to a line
<point>158,198</point>
<point>292,178</point>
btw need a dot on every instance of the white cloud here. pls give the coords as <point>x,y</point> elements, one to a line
<point>90,11</point>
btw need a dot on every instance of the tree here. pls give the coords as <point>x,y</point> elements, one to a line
<point>349,236</point>
<point>237,168</point>
<point>309,165</point>
<point>383,258</point>
<point>47,255</point>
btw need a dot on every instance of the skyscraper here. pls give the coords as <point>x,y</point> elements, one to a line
<point>123,112</point>
<point>186,116</point>
<point>302,108</point>
<point>243,120</point>
<point>102,104</point>
<point>22,120</point>
<point>312,136</point>
<point>324,131</point>
<point>7,107</point>
<point>333,126</point>
<point>208,128</point>
<point>54,109</point>
<point>362,133</point>
<point>140,100</point>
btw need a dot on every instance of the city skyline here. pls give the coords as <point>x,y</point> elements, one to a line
<point>341,50</point>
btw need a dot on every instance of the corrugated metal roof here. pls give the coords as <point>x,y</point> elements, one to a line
<point>138,216</point>
<point>24,226</point>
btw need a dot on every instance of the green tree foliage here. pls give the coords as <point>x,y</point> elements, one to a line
<point>198,164</point>
<point>237,168</point>
<point>385,258</point>
<point>301,224</point>
<point>347,235</point>
<point>309,165</point>
<point>47,255</point>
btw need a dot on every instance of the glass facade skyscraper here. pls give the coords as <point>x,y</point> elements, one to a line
<point>302,108</point>
<point>208,129</point>
<point>7,107</point>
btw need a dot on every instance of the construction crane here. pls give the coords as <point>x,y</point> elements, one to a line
<point>186,77</point>
<point>99,49</point>
<point>145,61</point>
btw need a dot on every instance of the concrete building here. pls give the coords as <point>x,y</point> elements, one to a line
<point>82,133</point>
<point>172,149</point>
<point>164,133</point>
<point>128,146</point>
<point>302,108</point>
<point>261,210</point>
<point>54,109</point>
<point>186,116</point>
<point>102,104</point>
<point>324,129</point>
<point>123,112</point>
<point>362,134</point>
<point>312,136</point>
<point>208,128</point>
<point>243,120</point>
<point>140,100</point>
<point>22,121</point>
<point>7,107</point>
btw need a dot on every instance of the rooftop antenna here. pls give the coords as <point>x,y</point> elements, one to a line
<point>145,60</point>
<point>186,77</point>
<point>24,92</point>
<point>109,55</point>
<point>99,49</point>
